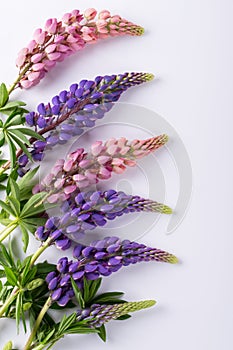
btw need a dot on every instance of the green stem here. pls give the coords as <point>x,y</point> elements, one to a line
<point>7,230</point>
<point>37,323</point>
<point>11,298</point>
<point>12,87</point>
<point>36,255</point>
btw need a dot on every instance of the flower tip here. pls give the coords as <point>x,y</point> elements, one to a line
<point>174,259</point>
<point>163,139</point>
<point>149,76</point>
<point>166,210</point>
<point>140,31</point>
<point>148,303</point>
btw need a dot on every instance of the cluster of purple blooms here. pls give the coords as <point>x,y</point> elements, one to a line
<point>89,210</point>
<point>100,258</point>
<point>70,112</point>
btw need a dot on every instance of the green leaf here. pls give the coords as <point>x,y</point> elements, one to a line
<point>2,187</point>
<point>2,161</point>
<point>102,332</point>
<point>15,205</point>
<point>108,297</point>
<point>123,317</point>
<point>12,105</point>
<point>48,336</point>
<point>2,138</point>
<point>25,237</point>
<point>78,294</point>
<point>7,208</point>
<point>21,145</point>
<point>44,268</point>
<point>3,177</point>
<point>3,95</point>
<point>77,329</point>
<point>28,209</point>
<point>31,133</point>
<point>66,322</point>
<point>11,276</point>
<point>12,150</point>
<point>14,119</point>
<point>14,188</point>
<point>94,287</point>
<point>2,274</point>
<point>5,221</point>
<point>27,178</point>
<point>19,135</point>
<point>18,308</point>
<point>6,255</point>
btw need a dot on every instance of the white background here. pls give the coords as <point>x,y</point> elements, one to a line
<point>188,45</point>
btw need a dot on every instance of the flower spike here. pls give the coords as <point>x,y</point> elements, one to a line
<point>60,39</point>
<point>91,210</point>
<point>81,170</point>
<point>100,258</point>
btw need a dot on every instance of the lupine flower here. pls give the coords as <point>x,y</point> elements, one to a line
<point>60,39</point>
<point>81,170</point>
<point>100,258</point>
<point>93,209</point>
<point>72,111</point>
<point>96,315</point>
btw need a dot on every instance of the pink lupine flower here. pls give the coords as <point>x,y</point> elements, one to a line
<point>81,169</point>
<point>59,39</point>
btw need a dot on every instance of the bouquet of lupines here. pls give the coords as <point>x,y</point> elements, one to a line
<point>65,204</point>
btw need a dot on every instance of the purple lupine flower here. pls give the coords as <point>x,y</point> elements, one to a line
<point>98,314</point>
<point>92,209</point>
<point>100,258</point>
<point>71,112</point>
<point>81,170</point>
<point>60,39</point>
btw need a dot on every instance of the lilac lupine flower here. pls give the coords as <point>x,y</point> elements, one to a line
<point>100,258</point>
<point>98,314</point>
<point>60,39</point>
<point>93,209</point>
<point>72,111</point>
<point>81,170</point>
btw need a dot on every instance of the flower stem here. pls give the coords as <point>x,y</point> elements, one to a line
<point>36,255</point>
<point>7,230</point>
<point>13,86</point>
<point>11,298</point>
<point>37,323</point>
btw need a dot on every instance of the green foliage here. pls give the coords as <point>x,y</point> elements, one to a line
<point>11,130</point>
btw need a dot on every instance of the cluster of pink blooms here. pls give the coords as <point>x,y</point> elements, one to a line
<point>60,39</point>
<point>81,170</point>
